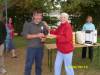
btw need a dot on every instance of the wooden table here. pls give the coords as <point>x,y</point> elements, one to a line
<point>52,47</point>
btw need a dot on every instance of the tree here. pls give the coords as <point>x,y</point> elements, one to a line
<point>1,8</point>
<point>20,10</point>
<point>82,8</point>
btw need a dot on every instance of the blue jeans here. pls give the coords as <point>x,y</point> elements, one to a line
<point>34,55</point>
<point>9,44</point>
<point>67,58</point>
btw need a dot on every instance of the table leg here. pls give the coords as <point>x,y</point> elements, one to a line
<point>98,54</point>
<point>50,60</point>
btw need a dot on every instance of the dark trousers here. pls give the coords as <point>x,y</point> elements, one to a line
<point>34,55</point>
<point>90,53</point>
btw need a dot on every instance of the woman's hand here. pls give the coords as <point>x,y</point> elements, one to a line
<point>51,36</point>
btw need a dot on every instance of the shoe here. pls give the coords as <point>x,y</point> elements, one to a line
<point>3,71</point>
<point>14,56</point>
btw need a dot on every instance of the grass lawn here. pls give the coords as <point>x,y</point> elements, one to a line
<point>82,67</point>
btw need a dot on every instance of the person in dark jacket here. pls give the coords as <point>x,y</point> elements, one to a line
<point>10,37</point>
<point>2,40</point>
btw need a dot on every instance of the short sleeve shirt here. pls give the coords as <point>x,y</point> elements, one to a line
<point>32,28</point>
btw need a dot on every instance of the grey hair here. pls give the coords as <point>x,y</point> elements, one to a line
<point>65,15</point>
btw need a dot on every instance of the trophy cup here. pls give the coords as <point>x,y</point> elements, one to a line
<point>44,31</point>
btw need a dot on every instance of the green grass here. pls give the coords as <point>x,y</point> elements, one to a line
<point>91,65</point>
<point>98,40</point>
<point>21,43</point>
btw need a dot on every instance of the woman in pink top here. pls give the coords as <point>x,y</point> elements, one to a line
<point>10,36</point>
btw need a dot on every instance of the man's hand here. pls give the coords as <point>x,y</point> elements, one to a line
<point>41,35</point>
<point>31,36</point>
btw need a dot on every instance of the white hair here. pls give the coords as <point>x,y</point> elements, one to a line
<point>65,15</point>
